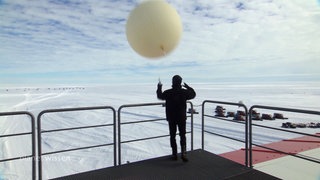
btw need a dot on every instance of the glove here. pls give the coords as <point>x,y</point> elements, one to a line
<point>186,86</point>
<point>159,85</point>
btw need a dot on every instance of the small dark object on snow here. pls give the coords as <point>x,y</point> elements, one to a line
<point>242,113</point>
<point>289,125</point>
<point>220,111</point>
<point>312,125</point>
<point>301,125</point>
<point>267,117</point>
<point>278,116</point>
<point>220,107</point>
<point>255,115</point>
<point>239,118</point>
<point>230,114</point>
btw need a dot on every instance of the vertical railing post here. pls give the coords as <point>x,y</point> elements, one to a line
<point>119,135</point>
<point>34,156</point>
<point>39,146</point>
<point>191,117</point>
<point>114,137</point>
<point>33,139</point>
<point>246,135</point>
<point>246,125</point>
<point>202,125</point>
<point>250,138</point>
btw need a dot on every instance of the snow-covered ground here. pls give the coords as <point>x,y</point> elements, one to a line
<point>35,99</point>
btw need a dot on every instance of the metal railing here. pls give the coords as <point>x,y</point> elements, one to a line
<point>223,119</point>
<point>40,132</point>
<point>32,133</point>
<point>144,121</point>
<point>118,142</point>
<point>278,129</point>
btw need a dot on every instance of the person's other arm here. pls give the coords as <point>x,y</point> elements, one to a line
<point>191,93</point>
<point>159,92</point>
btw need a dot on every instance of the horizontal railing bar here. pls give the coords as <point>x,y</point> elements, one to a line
<point>75,109</point>
<point>75,149</point>
<point>268,151</point>
<point>139,105</point>
<point>290,154</point>
<point>148,138</point>
<point>17,158</point>
<point>234,121</point>
<point>143,121</point>
<point>285,130</point>
<point>278,129</point>
<point>285,109</point>
<point>313,159</point>
<point>222,102</point>
<point>225,136</point>
<point>16,113</point>
<point>18,134</point>
<point>135,140</point>
<point>75,128</point>
<point>301,141</point>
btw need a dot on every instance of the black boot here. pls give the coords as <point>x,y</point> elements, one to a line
<point>174,154</point>
<point>184,154</point>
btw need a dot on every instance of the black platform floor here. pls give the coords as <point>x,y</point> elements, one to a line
<point>201,165</point>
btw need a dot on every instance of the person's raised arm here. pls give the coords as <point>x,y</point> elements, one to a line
<point>191,92</point>
<point>159,91</point>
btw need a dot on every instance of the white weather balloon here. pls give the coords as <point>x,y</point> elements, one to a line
<point>153,28</point>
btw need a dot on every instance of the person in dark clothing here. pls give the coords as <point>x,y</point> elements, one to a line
<point>176,99</point>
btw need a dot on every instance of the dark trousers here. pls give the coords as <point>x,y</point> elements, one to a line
<point>182,132</point>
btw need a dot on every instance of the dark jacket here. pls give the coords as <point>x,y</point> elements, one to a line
<point>176,99</point>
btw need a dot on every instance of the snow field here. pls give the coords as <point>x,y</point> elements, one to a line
<point>305,96</point>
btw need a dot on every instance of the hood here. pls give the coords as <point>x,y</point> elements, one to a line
<point>176,81</point>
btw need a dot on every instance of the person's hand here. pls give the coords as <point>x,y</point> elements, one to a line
<point>186,85</point>
<point>159,85</point>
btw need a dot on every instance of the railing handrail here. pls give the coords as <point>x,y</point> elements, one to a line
<point>246,124</point>
<point>311,112</point>
<point>36,156</point>
<point>151,120</point>
<point>285,109</point>
<point>33,138</point>
<point>40,154</point>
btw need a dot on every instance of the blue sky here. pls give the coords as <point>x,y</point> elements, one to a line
<point>84,42</point>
